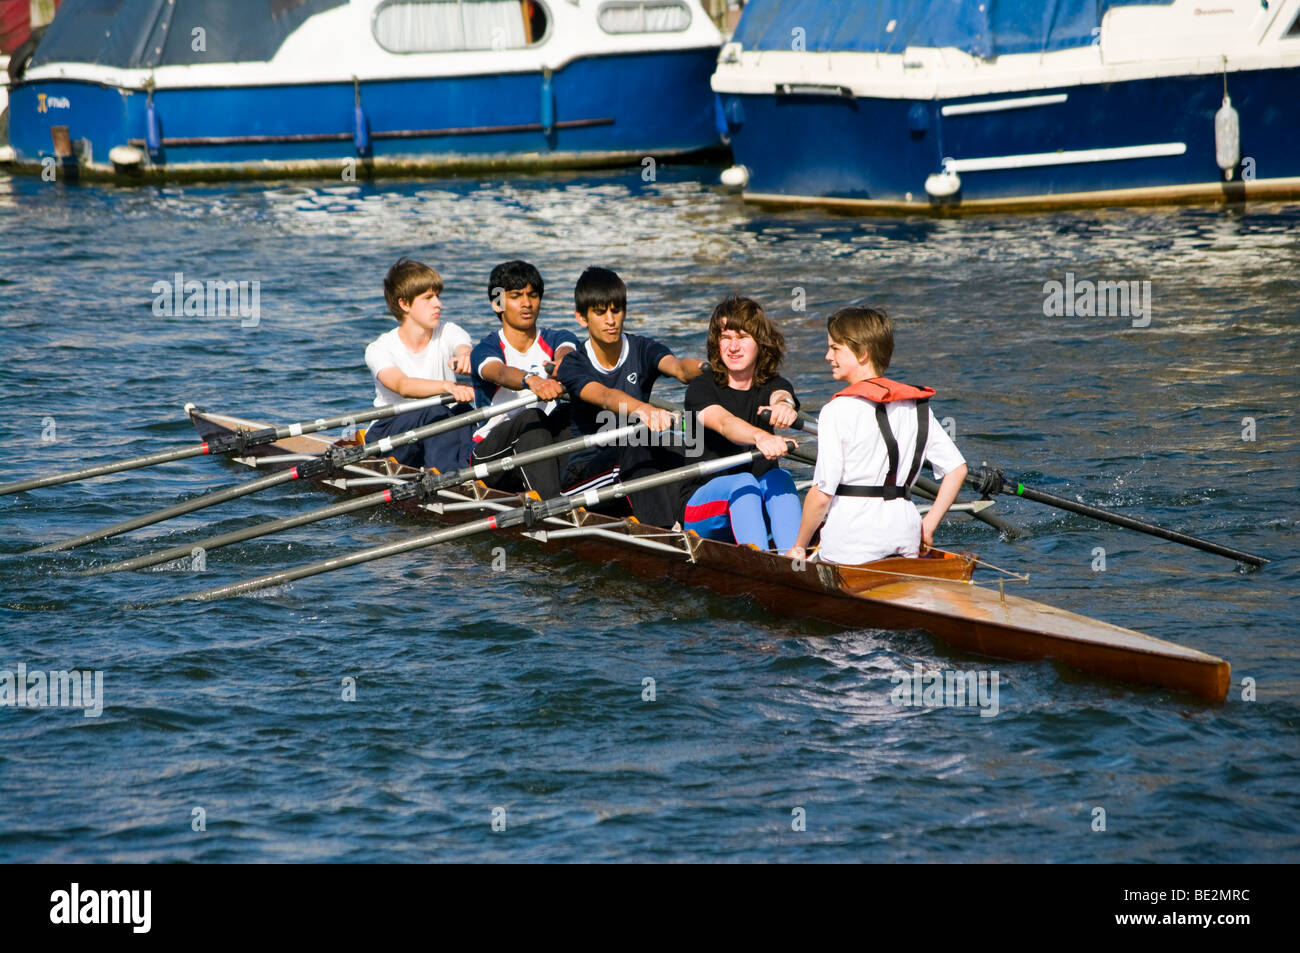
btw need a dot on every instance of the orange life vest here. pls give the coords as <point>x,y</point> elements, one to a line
<point>881,391</point>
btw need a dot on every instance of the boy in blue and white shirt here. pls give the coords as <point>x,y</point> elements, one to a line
<point>509,360</point>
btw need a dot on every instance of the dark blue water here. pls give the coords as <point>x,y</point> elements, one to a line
<point>522,689</point>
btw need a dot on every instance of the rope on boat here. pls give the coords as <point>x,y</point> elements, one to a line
<point>1018,577</point>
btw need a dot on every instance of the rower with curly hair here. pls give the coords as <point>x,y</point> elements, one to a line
<point>758,505</point>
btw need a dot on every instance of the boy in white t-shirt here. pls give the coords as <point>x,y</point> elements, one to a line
<point>871,441</point>
<point>420,358</point>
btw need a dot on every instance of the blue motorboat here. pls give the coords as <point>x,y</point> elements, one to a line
<point>920,105</point>
<point>237,87</point>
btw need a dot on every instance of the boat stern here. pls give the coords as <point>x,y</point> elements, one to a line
<point>60,124</point>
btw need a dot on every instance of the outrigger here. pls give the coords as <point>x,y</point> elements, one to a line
<point>935,592</point>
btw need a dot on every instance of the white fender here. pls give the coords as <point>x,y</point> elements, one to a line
<point>126,157</point>
<point>942,185</point>
<point>737,177</point>
<point>1227,137</point>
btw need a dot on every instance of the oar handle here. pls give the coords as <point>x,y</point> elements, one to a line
<point>986,480</point>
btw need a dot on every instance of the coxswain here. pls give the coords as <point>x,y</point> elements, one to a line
<point>872,438</point>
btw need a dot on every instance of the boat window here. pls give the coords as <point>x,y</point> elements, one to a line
<point>445,26</point>
<point>644,16</point>
<point>1295,27</point>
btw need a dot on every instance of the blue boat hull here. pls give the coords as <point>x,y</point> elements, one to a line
<point>594,109</point>
<point>879,152</point>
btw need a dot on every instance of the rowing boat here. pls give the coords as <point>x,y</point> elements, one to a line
<point>935,593</point>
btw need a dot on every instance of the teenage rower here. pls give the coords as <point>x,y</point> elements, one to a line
<point>614,371</point>
<point>420,358</point>
<point>513,359</point>
<point>739,402</point>
<point>871,440</point>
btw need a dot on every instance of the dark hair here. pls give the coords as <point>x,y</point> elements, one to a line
<point>407,280</point>
<point>514,276</point>
<point>867,332</point>
<point>598,287</point>
<point>745,314</point>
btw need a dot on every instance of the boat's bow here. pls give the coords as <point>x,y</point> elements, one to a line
<point>989,622</point>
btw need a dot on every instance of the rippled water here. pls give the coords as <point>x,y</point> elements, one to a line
<point>522,689</point>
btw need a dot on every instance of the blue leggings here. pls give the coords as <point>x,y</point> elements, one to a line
<point>732,507</point>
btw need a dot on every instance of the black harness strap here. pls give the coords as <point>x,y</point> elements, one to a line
<point>882,492</point>
<point>891,445</point>
<point>922,435</point>
<point>892,490</point>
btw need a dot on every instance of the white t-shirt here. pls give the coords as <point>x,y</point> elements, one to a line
<point>533,361</point>
<point>851,449</point>
<point>433,363</point>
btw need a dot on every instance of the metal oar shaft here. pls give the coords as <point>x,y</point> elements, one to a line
<point>524,515</point>
<point>241,535</point>
<point>342,562</point>
<point>234,492</point>
<point>157,516</point>
<point>366,416</point>
<point>479,471</point>
<point>931,488</point>
<point>262,437</point>
<point>1105,516</point>
<point>455,422</point>
<point>104,469</point>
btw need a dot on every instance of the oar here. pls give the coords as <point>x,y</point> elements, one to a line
<point>240,441</point>
<point>526,516</point>
<point>334,459</point>
<point>987,480</point>
<point>423,488</point>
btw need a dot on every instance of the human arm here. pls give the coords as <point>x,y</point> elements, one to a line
<point>685,369</point>
<point>515,378</point>
<point>459,362</point>
<point>560,354</point>
<point>607,398</point>
<point>457,340</point>
<point>782,408</point>
<point>815,506</point>
<point>717,418</point>
<point>948,489</point>
<point>950,467</point>
<point>399,383</point>
<point>828,473</point>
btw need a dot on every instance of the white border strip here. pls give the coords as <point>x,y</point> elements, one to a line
<point>1033,160</point>
<point>997,105</point>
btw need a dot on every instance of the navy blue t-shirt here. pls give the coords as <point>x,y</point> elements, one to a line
<point>634,375</point>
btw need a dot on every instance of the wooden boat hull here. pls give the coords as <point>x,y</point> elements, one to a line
<point>935,594</point>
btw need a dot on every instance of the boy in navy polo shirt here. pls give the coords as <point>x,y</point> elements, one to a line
<point>614,371</point>
<point>507,361</point>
